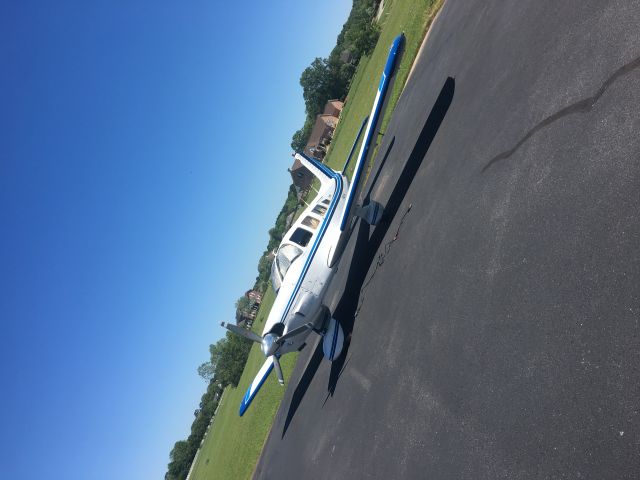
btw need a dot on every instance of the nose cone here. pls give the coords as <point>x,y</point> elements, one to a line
<point>269,344</point>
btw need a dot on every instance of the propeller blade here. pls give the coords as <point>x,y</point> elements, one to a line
<point>276,364</point>
<point>294,332</point>
<point>254,337</point>
<point>262,375</point>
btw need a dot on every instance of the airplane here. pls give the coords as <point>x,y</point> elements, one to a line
<point>306,259</point>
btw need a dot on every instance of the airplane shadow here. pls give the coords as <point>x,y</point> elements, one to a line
<point>303,384</point>
<point>366,248</point>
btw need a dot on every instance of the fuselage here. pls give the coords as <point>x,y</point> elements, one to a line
<point>300,271</point>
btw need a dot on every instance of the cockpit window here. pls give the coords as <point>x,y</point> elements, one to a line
<point>285,257</point>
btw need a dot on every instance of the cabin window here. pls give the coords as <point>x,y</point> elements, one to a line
<point>311,222</point>
<point>326,201</point>
<point>301,237</point>
<point>320,210</point>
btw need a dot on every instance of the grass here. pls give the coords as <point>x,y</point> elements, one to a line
<point>413,17</point>
<point>233,444</point>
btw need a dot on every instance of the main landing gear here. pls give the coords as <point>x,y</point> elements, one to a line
<point>332,337</point>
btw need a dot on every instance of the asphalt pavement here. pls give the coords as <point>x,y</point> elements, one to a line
<point>494,315</point>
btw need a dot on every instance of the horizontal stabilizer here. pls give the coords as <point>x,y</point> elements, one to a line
<point>320,171</point>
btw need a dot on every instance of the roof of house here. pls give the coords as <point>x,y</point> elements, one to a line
<point>322,122</point>
<point>332,106</point>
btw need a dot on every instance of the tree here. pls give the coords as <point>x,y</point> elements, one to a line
<point>363,40</point>
<point>300,138</point>
<point>179,461</point>
<point>207,371</point>
<point>275,237</point>
<point>321,81</point>
<point>228,357</point>
<point>242,304</point>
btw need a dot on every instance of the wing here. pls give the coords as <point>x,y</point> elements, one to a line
<point>262,375</point>
<point>364,149</point>
<point>369,131</point>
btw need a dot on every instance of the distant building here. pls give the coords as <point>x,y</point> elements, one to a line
<point>254,296</point>
<point>300,175</point>
<point>321,135</point>
<point>246,317</point>
<point>316,147</point>
<point>323,129</point>
<point>333,107</point>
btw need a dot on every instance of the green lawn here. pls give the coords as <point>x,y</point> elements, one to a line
<point>233,444</point>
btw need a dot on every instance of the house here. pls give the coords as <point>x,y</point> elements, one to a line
<point>317,144</point>
<point>300,176</point>
<point>246,317</point>
<point>322,131</point>
<point>254,296</point>
<point>321,136</point>
<point>333,107</point>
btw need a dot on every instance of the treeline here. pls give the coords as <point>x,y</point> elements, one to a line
<point>328,78</point>
<point>275,237</point>
<point>227,359</point>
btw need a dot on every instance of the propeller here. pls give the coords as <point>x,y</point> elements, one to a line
<point>276,365</point>
<point>270,345</point>
<point>243,332</point>
<point>294,332</point>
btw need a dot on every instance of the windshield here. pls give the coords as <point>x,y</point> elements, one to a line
<point>286,255</point>
<point>284,258</point>
<point>276,281</point>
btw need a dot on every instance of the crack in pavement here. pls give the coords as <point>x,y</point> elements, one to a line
<point>581,106</point>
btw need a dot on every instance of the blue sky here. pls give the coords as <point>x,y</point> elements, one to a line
<point>143,156</point>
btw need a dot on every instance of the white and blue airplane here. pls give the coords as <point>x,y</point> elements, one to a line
<point>307,258</point>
